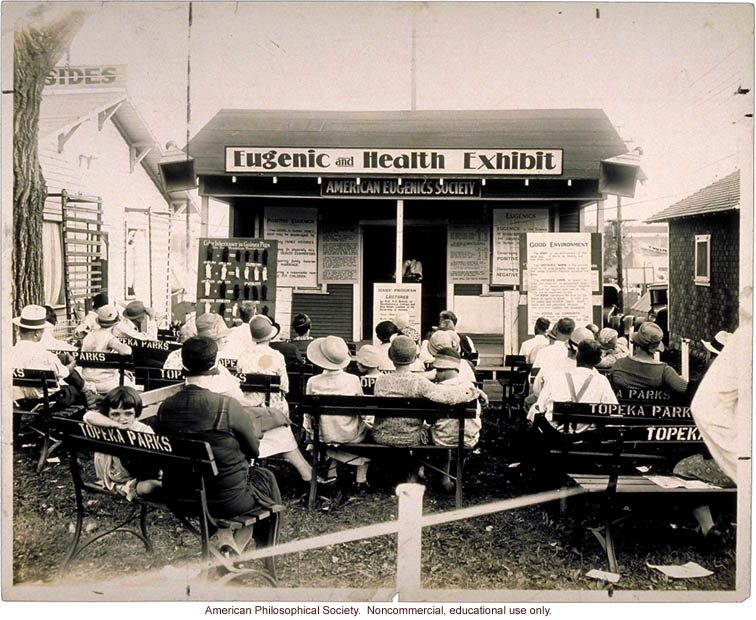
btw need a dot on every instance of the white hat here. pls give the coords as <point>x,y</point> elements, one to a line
<point>718,342</point>
<point>32,317</point>
<point>331,353</point>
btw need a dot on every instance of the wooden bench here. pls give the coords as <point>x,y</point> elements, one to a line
<point>96,359</point>
<point>654,433</point>
<point>385,407</point>
<point>154,378</point>
<point>150,353</point>
<point>192,457</point>
<point>40,410</point>
<point>514,379</point>
<point>257,383</point>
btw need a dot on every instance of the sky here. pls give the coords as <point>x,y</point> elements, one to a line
<point>665,74</point>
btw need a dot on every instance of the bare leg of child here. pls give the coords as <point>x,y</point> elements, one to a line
<point>146,487</point>
<point>361,476</point>
<point>446,480</point>
<point>332,471</point>
<point>296,459</point>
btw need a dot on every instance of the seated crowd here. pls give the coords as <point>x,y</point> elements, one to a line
<point>243,426</point>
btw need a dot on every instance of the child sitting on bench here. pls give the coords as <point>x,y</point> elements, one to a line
<point>332,355</point>
<point>120,409</point>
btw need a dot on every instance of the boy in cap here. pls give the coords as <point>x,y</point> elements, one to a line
<point>368,360</point>
<point>384,332</point>
<point>89,322</point>
<point>102,340</point>
<point>611,347</point>
<point>137,323</point>
<point>445,431</point>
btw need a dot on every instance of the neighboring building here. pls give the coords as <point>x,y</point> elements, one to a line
<point>108,224</point>
<point>704,231</point>
<point>341,191</point>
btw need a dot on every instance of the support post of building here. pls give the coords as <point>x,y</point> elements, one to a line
<point>599,216</point>
<point>620,277</point>
<point>204,215</point>
<point>685,358</point>
<point>399,239</point>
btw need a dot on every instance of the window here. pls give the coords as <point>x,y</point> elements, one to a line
<point>702,274</point>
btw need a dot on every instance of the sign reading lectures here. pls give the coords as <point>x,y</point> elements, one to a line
<point>395,161</point>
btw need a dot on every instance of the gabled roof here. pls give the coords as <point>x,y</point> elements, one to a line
<point>723,195</point>
<point>587,136</point>
<point>63,112</point>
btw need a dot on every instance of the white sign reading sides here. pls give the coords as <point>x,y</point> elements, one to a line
<point>296,230</point>
<point>507,226</point>
<point>390,298</point>
<point>560,280</point>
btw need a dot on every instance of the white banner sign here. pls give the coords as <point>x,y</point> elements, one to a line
<point>468,250</point>
<point>296,230</point>
<point>396,161</point>
<point>339,254</point>
<point>560,281</point>
<point>507,226</point>
<point>390,298</point>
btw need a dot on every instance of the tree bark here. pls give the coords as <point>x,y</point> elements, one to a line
<point>37,48</point>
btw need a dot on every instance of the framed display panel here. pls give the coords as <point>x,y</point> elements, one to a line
<point>236,271</point>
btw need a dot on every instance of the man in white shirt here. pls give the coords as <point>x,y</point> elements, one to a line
<point>541,327</point>
<point>722,404</point>
<point>582,384</point>
<point>557,349</point>
<point>30,353</point>
<point>562,363</point>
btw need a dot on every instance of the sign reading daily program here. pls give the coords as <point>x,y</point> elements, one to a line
<point>507,226</point>
<point>396,161</point>
<point>339,256</point>
<point>560,283</point>
<point>390,299</point>
<point>296,230</point>
<point>468,252</point>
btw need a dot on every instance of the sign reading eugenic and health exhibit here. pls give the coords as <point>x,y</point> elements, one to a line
<point>468,252</point>
<point>241,159</point>
<point>507,226</point>
<point>390,298</point>
<point>560,283</point>
<point>296,230</point>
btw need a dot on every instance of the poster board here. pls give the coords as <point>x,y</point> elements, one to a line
<point>339,255</point>
<point>233,271</point>
<point>296,230</point>
<point>508,224</point>
<point>560,276</point>
<point>468,253</point>
<point>390,298</point>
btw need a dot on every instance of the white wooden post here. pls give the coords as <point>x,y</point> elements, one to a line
<point>409,540</point>
<point>685,355</point>
<point>399,239</point>
<point>630,344</point>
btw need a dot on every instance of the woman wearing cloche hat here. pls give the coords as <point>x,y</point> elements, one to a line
<point>640,370</point>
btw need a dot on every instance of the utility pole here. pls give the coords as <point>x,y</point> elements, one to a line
<point>620,279</point>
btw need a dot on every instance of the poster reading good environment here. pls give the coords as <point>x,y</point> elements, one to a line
<point>339,256</point>
<point>389,299</point>
<point>507,226</point>
<point>296,230</point>
<point>468,252</point>
<point>560,283</point>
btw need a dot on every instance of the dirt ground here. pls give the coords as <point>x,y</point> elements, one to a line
<point>530,548</point>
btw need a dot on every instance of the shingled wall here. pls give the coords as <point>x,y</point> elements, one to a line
<point>699,312</point>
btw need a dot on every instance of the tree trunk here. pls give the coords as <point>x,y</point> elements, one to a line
<point>37,48</point>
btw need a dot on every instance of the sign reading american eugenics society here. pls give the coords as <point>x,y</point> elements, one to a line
<point>560,283</point>
<point>489,162</point>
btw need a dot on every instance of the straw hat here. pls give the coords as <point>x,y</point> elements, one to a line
<point>32,317</point>
<point>717,343</point>
<point>579,334</point>
<point>331,353</point>
<point>107,316</point>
